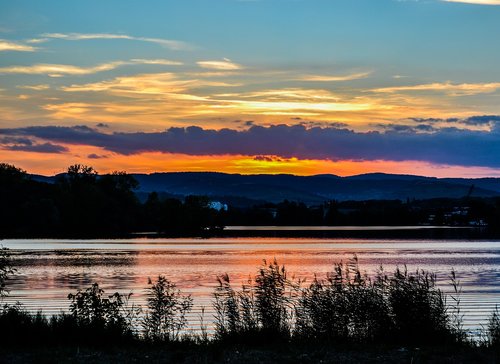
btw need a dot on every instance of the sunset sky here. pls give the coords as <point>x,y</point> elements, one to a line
<point>252,86</point>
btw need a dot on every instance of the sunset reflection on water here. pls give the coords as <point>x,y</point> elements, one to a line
<point>50,269</point>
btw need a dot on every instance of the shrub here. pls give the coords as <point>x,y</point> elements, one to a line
<point>167,309</point>
<point>20,326</point>
<point>5,270</point>
<point>98,317</point>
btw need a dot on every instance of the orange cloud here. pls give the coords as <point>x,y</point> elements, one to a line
<point>13,46</point>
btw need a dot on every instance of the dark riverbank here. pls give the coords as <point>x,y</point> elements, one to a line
<point>187,354</point>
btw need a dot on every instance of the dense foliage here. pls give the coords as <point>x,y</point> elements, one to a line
<point>82,203</point>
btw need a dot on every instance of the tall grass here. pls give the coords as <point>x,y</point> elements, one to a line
<point>346,306</point>
<point>493,330</point>
<point>419,308</point>
<point>261,311</point>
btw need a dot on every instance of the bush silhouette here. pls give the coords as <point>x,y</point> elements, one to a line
<point>166,312</point>
<point>97,316</point>
<point>5,270</point>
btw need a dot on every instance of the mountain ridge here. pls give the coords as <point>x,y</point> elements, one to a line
<point>311,190</point>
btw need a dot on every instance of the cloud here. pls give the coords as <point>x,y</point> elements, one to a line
<point>6,45</point>
<point>481,120</point>
<point>39,148</point>
<point>446,146</point>
<point>37,40</point>
<point>269,158</point>
<point>331,78</point>
<point>96,156</point>
<point>290,101</point>
<point>168,43</point>
<point>34,87</point>
<point>22,144</point>
<point>58,70</point>
<point>164,62</point>
<point>226,65</point>
<point>452,89</point>
<point>149,83</point>
<point>475,2</point>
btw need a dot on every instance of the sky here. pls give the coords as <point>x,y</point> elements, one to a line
<point>252,86</point>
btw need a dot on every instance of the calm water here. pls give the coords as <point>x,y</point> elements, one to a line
<point>50,269</point>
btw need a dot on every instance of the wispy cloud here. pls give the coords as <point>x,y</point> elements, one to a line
<point>475,2</point>
<point>168,43</point>
<point>58,70</point>
<point>6,45</point>
<point>164,62</point>
<point>37,40</point>
<point>34,87</point>
<point>292,101</point>
<point>334,78</point>
<point>453,89</point>
<point>226,64</point>
<point>148,84</point>
<point>155,83</point>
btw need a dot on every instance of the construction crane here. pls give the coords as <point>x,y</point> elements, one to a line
<point>471,189</point>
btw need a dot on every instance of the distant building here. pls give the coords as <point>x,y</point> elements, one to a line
<point>217,205</point>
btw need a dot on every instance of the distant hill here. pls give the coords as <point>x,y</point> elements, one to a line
<point>249,189</point>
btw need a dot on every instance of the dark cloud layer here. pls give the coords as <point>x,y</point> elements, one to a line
<point>38,148</point>
<point>449,146</point>
<point>473,120</point>
<point>96,156</point>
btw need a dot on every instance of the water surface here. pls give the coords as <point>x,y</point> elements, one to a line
<point>50,269</point>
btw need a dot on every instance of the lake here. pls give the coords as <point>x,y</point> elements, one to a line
<point>50,269</point>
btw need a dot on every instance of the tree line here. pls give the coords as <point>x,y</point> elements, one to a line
<point>82,203</point>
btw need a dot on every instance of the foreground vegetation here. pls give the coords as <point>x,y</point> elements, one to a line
<point>346,316</point>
